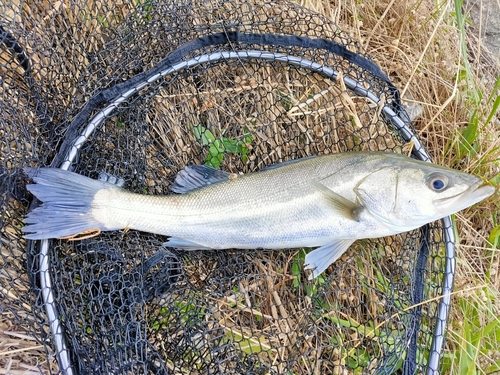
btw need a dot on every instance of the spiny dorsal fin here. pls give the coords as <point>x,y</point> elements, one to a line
<point>196,176</point>
<point>343,205</point>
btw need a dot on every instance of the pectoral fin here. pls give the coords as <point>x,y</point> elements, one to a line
<point>343,205</point>
<point>319,259</point>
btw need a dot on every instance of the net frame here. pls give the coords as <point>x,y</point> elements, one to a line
<point>400,122</point>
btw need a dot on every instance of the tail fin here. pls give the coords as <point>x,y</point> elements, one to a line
<point>67,203</point>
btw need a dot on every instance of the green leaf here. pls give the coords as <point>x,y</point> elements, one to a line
<point>203,135</point>
<point>219,145</point>
<point>214,157</point>
<point>494,109</point>
<point>490,328</point>
<point>249,344</point>
<point>469,135</point>
<point>231,145</point>
<point>248,137</point>
<point>494,368</point>
<point>213,150</point>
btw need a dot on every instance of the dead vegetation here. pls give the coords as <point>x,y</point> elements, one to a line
<point>290,115</point>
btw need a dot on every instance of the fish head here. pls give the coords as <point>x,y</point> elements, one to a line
<point>413,193</point>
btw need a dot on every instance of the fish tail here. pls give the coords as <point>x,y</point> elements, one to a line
<point>67,204</point>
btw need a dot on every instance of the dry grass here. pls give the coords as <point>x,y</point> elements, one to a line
<point>416,44</point>
<point>19,352</point>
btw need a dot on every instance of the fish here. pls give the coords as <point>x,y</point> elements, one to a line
<point>324,202</point>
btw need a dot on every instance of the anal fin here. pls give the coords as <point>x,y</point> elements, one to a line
<point>320,259</point>
<point>180,243</point>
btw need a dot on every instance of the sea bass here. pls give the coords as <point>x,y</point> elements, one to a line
<point>325,201</point>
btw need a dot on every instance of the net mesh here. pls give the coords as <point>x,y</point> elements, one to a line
<point>126,304</point>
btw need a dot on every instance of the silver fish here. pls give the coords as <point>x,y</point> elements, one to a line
<point>326,202</point>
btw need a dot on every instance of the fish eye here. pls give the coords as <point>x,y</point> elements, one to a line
<point>437,182</point>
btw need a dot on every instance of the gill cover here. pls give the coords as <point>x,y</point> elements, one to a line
<point>377,192</point>
<point>398,197</point>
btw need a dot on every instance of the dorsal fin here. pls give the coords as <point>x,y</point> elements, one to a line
<point>196,176</point>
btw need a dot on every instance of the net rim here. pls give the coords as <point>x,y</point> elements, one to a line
<point>401,124</point>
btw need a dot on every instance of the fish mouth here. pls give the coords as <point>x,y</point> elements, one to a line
<point>472,195</point>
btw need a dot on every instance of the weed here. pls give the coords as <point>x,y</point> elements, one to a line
<point>218,146</point>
